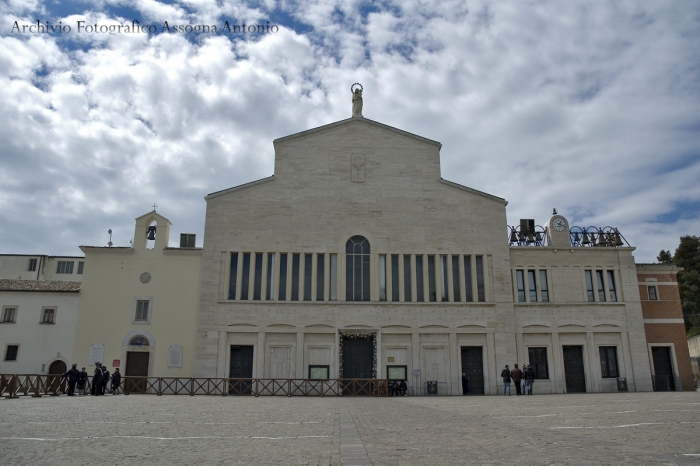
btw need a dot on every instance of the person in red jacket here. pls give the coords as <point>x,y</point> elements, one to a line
<point>517,376</point>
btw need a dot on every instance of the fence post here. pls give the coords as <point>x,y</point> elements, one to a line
<point>36,387</point>
<point>256,391</point>
<point>191,387</point>
<point>160,386</point>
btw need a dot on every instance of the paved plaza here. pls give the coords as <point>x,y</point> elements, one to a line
<point>635,428</point>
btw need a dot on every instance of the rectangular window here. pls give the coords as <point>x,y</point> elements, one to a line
<point>407,278</point>
<point>444,281</point>
<point>257,283</point>
<point>81,267</point>
<point>520,279</point>
<point>282,296</point>
<point>295,276</point>
<point>246,276</point>
<point>382,277</point>
<point>233,276</point>
<point>333,285</point>
<point>11,352</point>
<point>608,362</point>
<point>601,285</point>
<point>187,240</point>
<point>64,267</point>
<point>480,290</point>
<point>320,276</point>
<point>420,284</point>
<point>142,310</point>
<point>432,296</point>
<point>538,361</point>
<point>589,286</point>
<point>8,315</point>
<point>394,277</point>
<point>32,265</point>
<point>544,289</point>
<point>468,293</point>
<point>532,283</point>
<point>49,316</point>
<point>455,278</point>
<point>652,293</point>
<point>611,286</point>
<point>269,295</point>
<point>308,273</point>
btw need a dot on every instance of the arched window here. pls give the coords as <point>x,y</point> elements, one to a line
<point>357,269</point>
<point>139,340</point>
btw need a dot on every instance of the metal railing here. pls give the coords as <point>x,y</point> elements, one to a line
<point>16,385</point>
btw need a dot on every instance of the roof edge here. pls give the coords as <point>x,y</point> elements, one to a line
<point>239,187</point>
<point>473,191</point>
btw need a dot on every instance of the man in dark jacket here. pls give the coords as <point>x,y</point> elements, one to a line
<point>97,380</point>
<point>465,384</point>
<point>517,375</point>
<point>82,381</point>
<point>105,379</point>
<point>529,379</point>
<point>505,374</point>
<point>72,376</point>
<point>116,380</point>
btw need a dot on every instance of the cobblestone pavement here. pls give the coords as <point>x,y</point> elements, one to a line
<point>635,428</point>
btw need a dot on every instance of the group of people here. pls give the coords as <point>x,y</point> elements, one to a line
<point>526,376</point>
<point>398,388</point>
<point>100,380</point>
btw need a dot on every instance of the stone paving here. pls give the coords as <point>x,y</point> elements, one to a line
<point>635,428</point>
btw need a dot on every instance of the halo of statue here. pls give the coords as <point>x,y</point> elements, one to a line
<point>352,88</point>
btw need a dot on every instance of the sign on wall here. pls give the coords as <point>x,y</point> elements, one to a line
<point>97,351</point>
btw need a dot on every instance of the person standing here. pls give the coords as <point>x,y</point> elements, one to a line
<point>97,379</point>
<point>116,380</point>
<point>105,379</point>
<point>465,384</point>
<point>529,378</point>
<point>505,374</point>
<point>72,376</point>
<point>517,376</point>
<point>82,380</point>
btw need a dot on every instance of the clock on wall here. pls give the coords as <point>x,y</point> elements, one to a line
<point>559,223</point>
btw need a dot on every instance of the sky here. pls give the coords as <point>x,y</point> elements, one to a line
<point>592,108</point>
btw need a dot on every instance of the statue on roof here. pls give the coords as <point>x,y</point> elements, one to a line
<point>356,99</point>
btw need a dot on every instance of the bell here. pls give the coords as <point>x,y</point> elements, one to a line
<point>151,234</point>
<point>538,237</point>
<point>513,236</point>
<point>530,239</point>
<point>618,240</point>
<point>577,238</point>
<point>586,241</point>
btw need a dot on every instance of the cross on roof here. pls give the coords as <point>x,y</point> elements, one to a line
<point>154,207</point>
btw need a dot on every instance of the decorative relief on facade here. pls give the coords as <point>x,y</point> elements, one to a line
<point>358,168</point>
<point>175,355</point>
<point>145,277</point>
<point>97,351</point>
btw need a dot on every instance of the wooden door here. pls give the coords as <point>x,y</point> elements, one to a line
<point>573,369</point>
<point>473,367</point>
<point>241,367</point>
<point>56,370</point>
<point>136,366</point>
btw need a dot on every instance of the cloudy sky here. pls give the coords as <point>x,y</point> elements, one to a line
<point>589,107</point>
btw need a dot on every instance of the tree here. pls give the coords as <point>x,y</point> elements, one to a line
<point>665,257</point>
<point>687,255</point>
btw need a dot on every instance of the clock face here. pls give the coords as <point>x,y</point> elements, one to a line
<point>559,224</point>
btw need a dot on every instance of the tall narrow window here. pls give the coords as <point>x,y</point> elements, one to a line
<point>532,282</point>
<point>269,294</point>
<point>611,286</point>
<point>320,276</point>
<point>357,269</point>
<point>653,296</point>
<point>432,296</point>
<point>81,267</point>
<point>32,265</point>
<point>420,284</point>
<point>333,277</point>
<point>233,276</point>
<point>444,281</point>
<point>246,276</point>
<point>257,283</point>
<point>601,285</point>
<point>455,278</point>
<point>538,361</point>
<point>520,279</point>
<point>295,277</point>
<point>141,310</point>
<point>382,277</point>
<point>468,293</point>
<point>282,294</point>
<point>407,278</point>
<point>308,261</point>
<point>11,352</point>
<point>49,316</point>
<point>544,289</point>
<point>608,362</point>
<point>9,314</point>
<point>589,286</point>
<point>394,277</point>
<point>480,290</point>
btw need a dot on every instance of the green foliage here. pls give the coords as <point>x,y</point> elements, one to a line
<point>687,255</point>
<point>665,257</point>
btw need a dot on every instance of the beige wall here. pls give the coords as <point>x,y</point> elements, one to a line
<point>16,267</point>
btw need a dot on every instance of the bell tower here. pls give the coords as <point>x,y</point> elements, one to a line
<point>152,231</point>
<point>558,231</point>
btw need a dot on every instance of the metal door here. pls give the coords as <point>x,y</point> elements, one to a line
<point>473,367</point>
<point>358,362</point>
<point>573,369</point>
<point>241,367</point>
<point>663,369</point>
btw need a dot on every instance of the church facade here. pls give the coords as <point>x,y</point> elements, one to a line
<point>357,260</point>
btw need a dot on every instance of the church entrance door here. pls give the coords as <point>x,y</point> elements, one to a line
<point>137,366</point>
<point>573,369</point>
<point>473,367</point>
<point>241,367</point>
<point>663,369</point>
<point>358,363</point>
<point>56,370</point>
